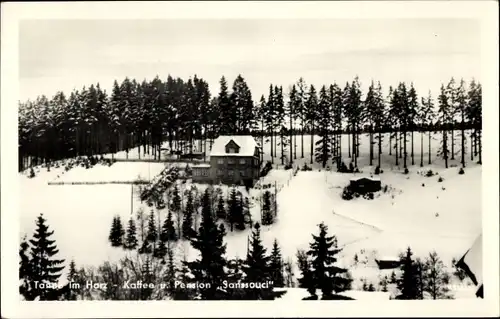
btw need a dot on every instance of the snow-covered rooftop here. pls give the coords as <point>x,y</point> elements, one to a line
<point>373,178</point>
<point>202,165</point>
<point>246,143</point>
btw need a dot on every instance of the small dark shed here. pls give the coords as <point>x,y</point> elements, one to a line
<point>363,185</point>
<point>388,262</point>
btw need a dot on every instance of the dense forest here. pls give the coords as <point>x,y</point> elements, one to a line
<point>92,121</point>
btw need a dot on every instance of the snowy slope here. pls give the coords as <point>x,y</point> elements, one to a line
<point>404,216</point>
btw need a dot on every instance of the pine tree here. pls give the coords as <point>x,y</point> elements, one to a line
<point>276,266</point>
<point>267,214</point>
<point>327,276</point>
<point>187,223</point>
<point>323,149</point>
<point>461,105</point>
<point>131,236</point>
<point>311,115</point>
<point>408,283</point>
<point>209,266</point>
<point>168,230</point>
<point>435,277</point>
<point>45,269</point>
<point>426,117</point>
<point>444,121</point>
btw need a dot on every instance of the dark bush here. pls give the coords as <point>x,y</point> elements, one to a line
<point>288,166</point>
<point>343,168</point>
<point>406,170</point>
<point>368,195</point>
<point>429,173</point>
<point>351,167</point>
<point>423,185</point>
<point>356,170</point>
<point>32,173</point>
<point>440,179</point>
<point>347,193</point>
<point>306,168</point>
<point>377,170</point>
<point>461,171</point>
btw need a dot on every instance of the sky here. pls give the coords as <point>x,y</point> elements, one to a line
<point>59,55</point>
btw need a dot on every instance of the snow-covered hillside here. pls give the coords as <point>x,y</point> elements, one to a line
<point>415,211</point>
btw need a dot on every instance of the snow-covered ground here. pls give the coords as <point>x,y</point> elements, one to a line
<point>416,211</point>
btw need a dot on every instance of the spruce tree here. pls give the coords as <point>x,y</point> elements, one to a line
<point>152,234</point>
<point>408,283</point>
<point>311,115</point>
<point>187,223</point>
<point>323,251</point>
<point>307,279</point>
<point>117,232</point>
<point>168,230</point>
<point>131,236</point>
<point>44,267</point>
<point>208,268</point>
<point>257,267</point>
<point>72,292</point>
<point>444,122</point>
<point>276,266</point>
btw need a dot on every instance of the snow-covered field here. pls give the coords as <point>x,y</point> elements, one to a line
<point>441,216</point>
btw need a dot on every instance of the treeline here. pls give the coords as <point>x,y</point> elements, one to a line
<point>92,121</point>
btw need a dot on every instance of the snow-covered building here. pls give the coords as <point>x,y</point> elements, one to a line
<point>364,184</point>
<point>234,159</point>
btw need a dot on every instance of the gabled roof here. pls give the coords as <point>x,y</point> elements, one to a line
<point>246,143</point>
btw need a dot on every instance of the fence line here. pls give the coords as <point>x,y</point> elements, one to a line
<point>136,182</point>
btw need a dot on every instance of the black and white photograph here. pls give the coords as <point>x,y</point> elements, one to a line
<point>203,157</point>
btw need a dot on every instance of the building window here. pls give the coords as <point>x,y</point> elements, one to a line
<point>242,161</point>
<point>230,161</point>
<point>231,150</point>
<point>195,172</point>
<point>220,161</point>
<point>256,161</point>
<point>220,172</point>
<point>230,172</point>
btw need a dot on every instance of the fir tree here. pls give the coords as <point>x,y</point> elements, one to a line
<point>276,266</point>
<point>131,236</point>
<point>221,208</point>
<point>187,223</point>
<point>117,232</point>
<point>267,215</point>
<point>176,199</point>
<point>435,277</point>
<point>235,211</point>
<point>44,267</point>
<point>209,266</point>
<point>257,267</point>
<point>327,276</point>
<point>152,234</point>
<point>168,230</point>
<point>307,279</point>
<point>408,283</point>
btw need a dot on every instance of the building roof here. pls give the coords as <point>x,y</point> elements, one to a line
<point>357,178</point>
<point>246,143</point>
<point>203,165</point>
